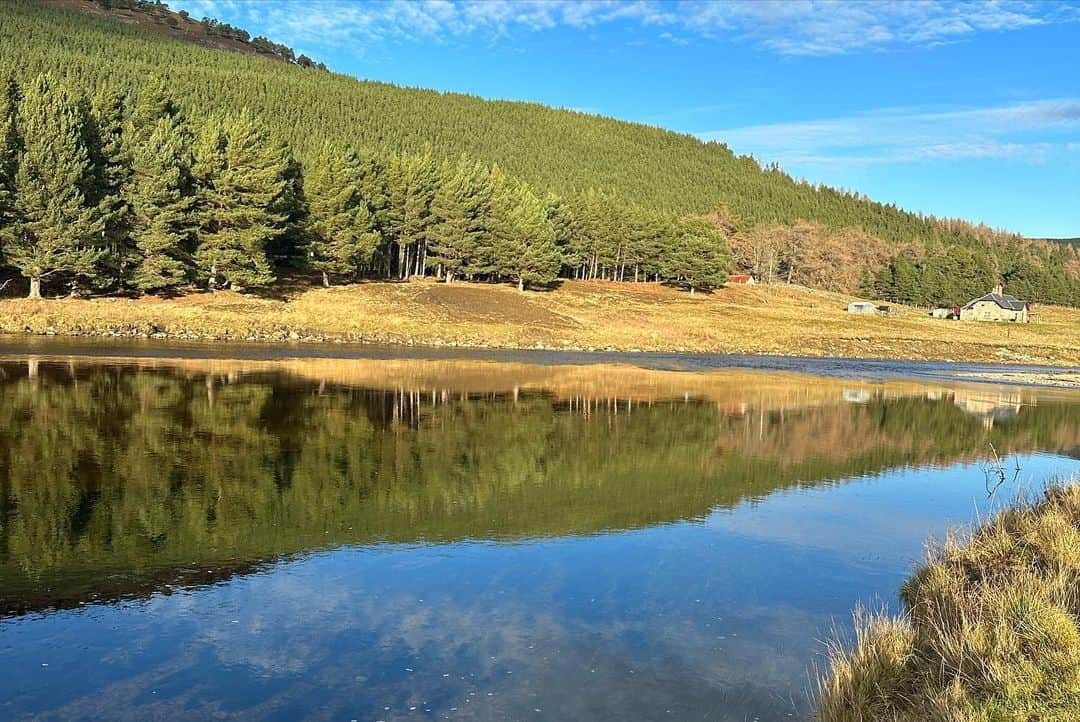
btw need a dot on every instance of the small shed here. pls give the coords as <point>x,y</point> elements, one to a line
<point>742,279</point>
<point>996,306</point>
<point>864,307</point>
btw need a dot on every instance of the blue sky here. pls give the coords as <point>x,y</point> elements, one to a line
<point>965,109</point>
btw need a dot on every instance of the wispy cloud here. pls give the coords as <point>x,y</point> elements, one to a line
<point>1028,131</point>
<point>786,27</point>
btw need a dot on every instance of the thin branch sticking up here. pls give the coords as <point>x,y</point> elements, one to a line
<point>996,475</point>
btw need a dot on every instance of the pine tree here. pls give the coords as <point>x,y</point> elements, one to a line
<point>411,183</point>
<point>161,194</point>
<point>699,259</point>
<point>561,217</point>
<point>53,228</point>
<point>288,248</point>
<point>524,242</point>
<point>904,280</point>
<point>105,186</point>
<point>458,239</point>
<point>597,233</point>
<point>343,236</point>
<point>152,103</point>
<point>10,147</point>
<point>242,175</point>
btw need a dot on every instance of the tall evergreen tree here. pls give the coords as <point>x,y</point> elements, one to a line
<point>10,148</point>
<point>561,217</point>
<point>53,229</point>
<point>411,183</point>
<point>105,186</point>
<point>458,240</point>
<point>524,248</point>
<point>242,175</point>
<point>904,280</point>
<point>288,248</point>
<point>699,258</point>
<point>152,102</point>
<point>342,230</point>
<point>162,197</point>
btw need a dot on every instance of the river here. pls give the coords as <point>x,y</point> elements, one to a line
<point>286,534</point>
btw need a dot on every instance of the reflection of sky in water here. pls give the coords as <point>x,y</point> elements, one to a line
<point>719,620</point>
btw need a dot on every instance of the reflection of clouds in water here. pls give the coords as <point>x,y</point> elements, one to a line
<point>883,520</point>
<point>356,645</point>
<point>511,657</point>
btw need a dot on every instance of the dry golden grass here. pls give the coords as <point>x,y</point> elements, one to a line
<point>578,315</point>
<point>989,633</point>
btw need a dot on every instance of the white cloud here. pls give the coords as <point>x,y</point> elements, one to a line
<point>1028,131</point>
<point>786,27</point>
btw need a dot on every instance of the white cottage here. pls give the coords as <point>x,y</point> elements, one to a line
<point>862,307</point>
<point>996,306</point>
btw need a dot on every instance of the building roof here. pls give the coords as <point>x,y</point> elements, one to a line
<point>1004,300</point>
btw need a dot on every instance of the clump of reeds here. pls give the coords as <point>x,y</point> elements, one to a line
<point>989,630</point>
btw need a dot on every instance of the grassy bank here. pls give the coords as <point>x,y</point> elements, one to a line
<point>577,315</point>
<point>989,630</point>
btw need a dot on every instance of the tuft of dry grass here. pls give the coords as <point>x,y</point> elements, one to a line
<point>577,315</point>
<point>989,630</point>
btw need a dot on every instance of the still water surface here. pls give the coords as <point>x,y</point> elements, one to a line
<point>438,539</point>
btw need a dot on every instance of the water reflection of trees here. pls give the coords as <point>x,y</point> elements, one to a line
<point>114,480</point>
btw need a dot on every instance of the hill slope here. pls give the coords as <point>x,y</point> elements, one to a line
<point>557,150</point>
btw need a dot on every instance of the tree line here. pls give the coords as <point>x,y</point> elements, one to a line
<point>120,192</point>
<point>159,12</point>
<point>850,260</point>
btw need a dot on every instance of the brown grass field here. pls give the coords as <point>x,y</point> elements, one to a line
<point>577,315</point>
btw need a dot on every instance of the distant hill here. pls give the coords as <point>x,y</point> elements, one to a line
<point>1075,242</point>
<point>557,150</point>
<point>158,18</point>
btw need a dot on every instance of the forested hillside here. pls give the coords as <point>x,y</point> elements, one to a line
<point>226,169</point>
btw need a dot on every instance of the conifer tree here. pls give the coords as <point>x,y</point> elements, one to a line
<point>561,217</point>
<point>53,229</point>
<point>411,182</point>
<point>152,103</point>
<point>343,236</point>
<point>597,231</point>
<point>524,248</point>
<point>105,185</point>
<point>699,258</point>
<point>288,248</point>
<point>904,280</point>
<point>161,195</point>
<point>242,175</point>
<point>372,167</point>
<point>458,239</point>
<point>10,147</point>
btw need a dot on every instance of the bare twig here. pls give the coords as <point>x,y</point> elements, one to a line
<point>996,476</point>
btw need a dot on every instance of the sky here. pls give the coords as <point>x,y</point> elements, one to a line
<point>959,109</point>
